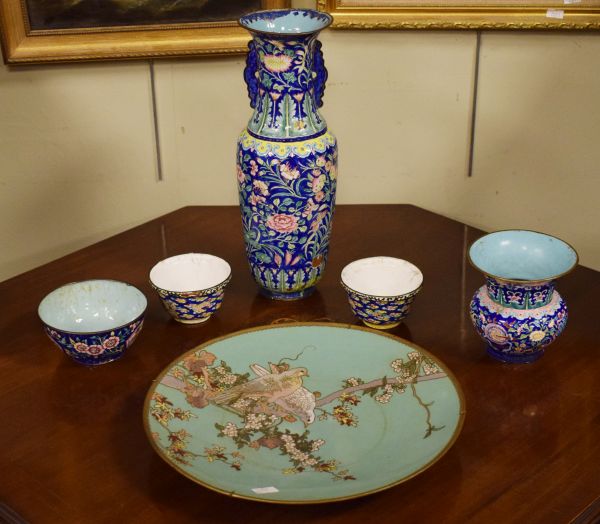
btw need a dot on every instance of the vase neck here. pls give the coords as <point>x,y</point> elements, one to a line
<point>520,295</point>
<point>286,78</point>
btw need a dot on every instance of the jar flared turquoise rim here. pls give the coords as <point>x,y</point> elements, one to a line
<point>568,250</point>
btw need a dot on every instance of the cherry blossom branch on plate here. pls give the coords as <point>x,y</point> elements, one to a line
<point>374,384</point>
<point>175,383</point>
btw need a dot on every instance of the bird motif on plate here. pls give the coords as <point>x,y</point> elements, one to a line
<point>284,388</point>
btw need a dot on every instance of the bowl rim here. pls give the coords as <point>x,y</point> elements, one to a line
<point>519,280</point>
<point>382,297</point>
<point>242,22</point>
<point>97,332</point>
<point>205,291</point>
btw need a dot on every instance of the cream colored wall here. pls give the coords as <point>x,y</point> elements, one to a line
<point>77,151</point>
<point>76,159</point>
<point>537,160</point>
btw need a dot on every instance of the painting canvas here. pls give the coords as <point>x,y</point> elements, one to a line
<point>35,31</point>
<point>74,14</point>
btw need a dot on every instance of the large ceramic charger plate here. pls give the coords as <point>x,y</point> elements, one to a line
<point>303,413</point>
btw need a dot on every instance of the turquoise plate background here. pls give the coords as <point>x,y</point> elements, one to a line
<point>303,413</point>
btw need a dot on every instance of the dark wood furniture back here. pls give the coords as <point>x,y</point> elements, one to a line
<point>72,443</point>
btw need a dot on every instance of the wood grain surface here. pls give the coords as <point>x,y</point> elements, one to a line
<point>72,443</point>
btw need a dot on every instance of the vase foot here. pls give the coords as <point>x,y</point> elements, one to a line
<point>294,295</point>
<point>512,358</point>
<point>189,322</point>
<point>381,326</point>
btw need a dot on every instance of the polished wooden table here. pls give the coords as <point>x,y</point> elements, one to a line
<point>72,443</point>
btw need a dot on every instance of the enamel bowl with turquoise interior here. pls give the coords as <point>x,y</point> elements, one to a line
<point>381,290</point>
<point>93,321</point>
<point>191,286</point>
<point>518,312</point>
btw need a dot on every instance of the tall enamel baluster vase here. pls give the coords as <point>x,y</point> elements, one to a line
<point>286,157</point>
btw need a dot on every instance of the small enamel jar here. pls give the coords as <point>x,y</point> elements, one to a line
<point>518,312</point>
<point>381,289</point>
<point>191,286</point>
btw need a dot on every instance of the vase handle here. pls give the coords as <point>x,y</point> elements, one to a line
<point>319,73</point>
<point>250,73</point>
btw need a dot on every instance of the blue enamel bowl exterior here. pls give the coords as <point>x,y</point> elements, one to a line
<point>193,307</point>
<point>93,321</point>
<point>380,312</point>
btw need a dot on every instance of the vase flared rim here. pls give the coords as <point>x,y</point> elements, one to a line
<point>524,281</point>
<point>246,21</point>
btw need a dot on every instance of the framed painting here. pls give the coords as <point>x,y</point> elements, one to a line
<point>463,14</point>
<point>38,31</point>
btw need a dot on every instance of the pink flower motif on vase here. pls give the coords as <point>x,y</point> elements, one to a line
<point>261,187</point>
<point>283,223</point>
<point>256,199</point>
<point>240,174</point>
<point>318,183</point>
<point>288,172</point>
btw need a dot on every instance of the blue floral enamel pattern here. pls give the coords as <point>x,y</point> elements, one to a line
<point>195,306</point>
<point>380,312</point>
<point>284,93</point>
<point>518,312</point>
<point>287,160</point>
<point>287,196</point>
<point>518,334</point>
<point>518,296</point>
<point>96,348</point>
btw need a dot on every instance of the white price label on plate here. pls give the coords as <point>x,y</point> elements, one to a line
<point>262,491</point>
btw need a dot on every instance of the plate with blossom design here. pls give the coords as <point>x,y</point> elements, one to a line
<point>303,413</point>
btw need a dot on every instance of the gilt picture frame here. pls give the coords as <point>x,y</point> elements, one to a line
<point>464,14</point>
<point>48,31</point>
